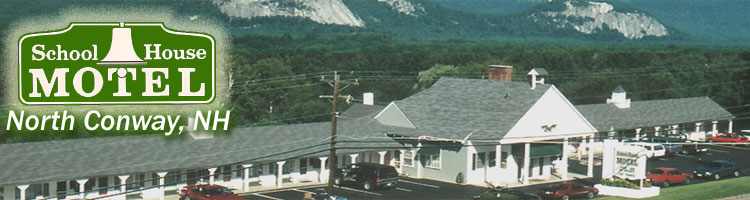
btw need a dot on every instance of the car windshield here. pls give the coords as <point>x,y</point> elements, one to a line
<point>387,172</point>
<point>658,147</point>
<point>218,191</point>
<point>713,164</point>
<point>656,171</point>
<point>557,187</point>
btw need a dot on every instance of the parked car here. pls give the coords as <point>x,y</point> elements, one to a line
<point>565,191</point>
<point>206,192</point>
<point>727,138</point>
<point>671,145</point>
<point>321,194</point>
<point>717,169</point>
<point>499,193</point>
<point>653,150</point>
<point>692,149</point>
<point>368,175</point>
<point>667,176</point>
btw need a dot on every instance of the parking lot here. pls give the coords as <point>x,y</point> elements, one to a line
<point>409,188</point>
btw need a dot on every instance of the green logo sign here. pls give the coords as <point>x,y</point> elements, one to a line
<point>116,63</point>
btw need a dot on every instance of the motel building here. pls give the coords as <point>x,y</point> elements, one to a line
<point>468,131</point>
<point>489,130</point>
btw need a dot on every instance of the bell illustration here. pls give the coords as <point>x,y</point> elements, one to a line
<point>121,51</point>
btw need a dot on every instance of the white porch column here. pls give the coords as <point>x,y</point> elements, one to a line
<point>590,171</point>
<point>211,175</point>
<point>638,134</point>
<point>526,163</point>
<point>53,190</point>
<point>354,157</point>
<point>246,177</point>
<point>381,157</point>
<point>698,128</point>
<point>9,192</point>
<point>322,174</point>
<point>279,172</point>
<point>674,129</point>
<point>730,127</point>
<point>564,159</point>
<point>498,155</point>
<point>713,127</point>
<point>82,187</point>
<point>161,184</point>
<point>656,130</point>
<point>23,191</point>
<point>123,181</point>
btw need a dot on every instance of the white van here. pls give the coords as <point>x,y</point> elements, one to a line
<point>653,150</point>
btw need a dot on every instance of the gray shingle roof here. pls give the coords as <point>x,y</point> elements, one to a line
<point>642,114</point>
<point>454,107</point>
<point>27,163</point>
<point>618,89</point>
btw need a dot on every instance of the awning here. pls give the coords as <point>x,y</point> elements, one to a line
<point>538,150</point>
<point>429,149</point>
<point>542,150</point>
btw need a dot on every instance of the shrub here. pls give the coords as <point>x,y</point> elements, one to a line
<point>617,182</point>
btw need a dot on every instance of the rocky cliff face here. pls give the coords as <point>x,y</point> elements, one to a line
<point>588,17</point>
<point>405,7</point>
<point>321,11</point>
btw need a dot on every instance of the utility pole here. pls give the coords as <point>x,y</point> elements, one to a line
<point>334,116</point>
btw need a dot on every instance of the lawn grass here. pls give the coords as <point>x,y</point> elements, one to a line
<point>709,190</point>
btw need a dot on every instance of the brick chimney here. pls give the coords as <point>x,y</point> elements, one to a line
<point>500,72</point>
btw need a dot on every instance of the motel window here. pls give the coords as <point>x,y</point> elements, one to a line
<point>172,178</point>
<point>155,179</point>
<point>431,160</point>
<point>503,160</point>
<point>273,168</point>
<point>473,161</point>
<point>287,168</point>
<point>315,163</point>
<point>480,160</point>
<point>492,157</point>
<point>227,173</point>
<point>303,165</point>
<point>240,171</point>
<point>409,158</point>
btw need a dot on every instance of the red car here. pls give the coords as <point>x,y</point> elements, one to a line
<point>567,190</point>
<point>667,176</point>
<point>205,192</point>
<point>727,138</point>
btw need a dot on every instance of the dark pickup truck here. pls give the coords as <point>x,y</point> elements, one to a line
<point>717,169</point>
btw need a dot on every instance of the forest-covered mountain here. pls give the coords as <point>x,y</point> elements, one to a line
<point>670,22</point>
<point>420,19</point>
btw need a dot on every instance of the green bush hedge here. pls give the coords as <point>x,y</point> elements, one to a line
<point>617,182</point>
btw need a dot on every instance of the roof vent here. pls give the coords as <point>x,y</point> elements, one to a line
<point>195,134</point>
<point>368,99</point>
<point>619,98</point>
<point>500,72</point>
<point>537,72</point>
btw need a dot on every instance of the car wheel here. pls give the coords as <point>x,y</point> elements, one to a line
<point>736,174</point>
<point>367,185</point>
<point>687,181</point>
<point>666,184</point>
<point>590,195</point>
<point>182,198</point>
<point>565,197</point>
<point>337,181</point>
<point>717,177</point>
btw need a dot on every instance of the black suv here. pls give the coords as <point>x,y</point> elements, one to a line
<point>369,175</point>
